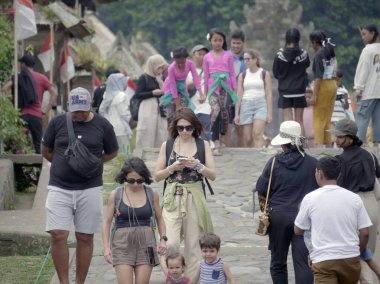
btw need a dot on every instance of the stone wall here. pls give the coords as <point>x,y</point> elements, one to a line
<point>7,184</point>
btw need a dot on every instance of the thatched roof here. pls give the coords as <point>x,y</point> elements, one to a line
<point>102,38</point>
<point>124,58</point>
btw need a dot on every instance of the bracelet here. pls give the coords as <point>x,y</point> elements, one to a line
<point>169,171</point>
<point>201,168</point>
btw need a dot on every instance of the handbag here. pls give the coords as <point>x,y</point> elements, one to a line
<point>262,223</point>
<point>78,157</point>
<point>376,184</point>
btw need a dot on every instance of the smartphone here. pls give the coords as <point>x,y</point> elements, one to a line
<point>150,253</point>
<point>183,159</point>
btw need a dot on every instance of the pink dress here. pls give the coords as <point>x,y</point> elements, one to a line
<point>222,63</point>
<point>174,74</point>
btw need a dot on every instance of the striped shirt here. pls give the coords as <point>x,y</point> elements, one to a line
<point>212,273</point>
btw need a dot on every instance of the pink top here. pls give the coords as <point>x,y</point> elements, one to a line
<point>42,84</point>
<point>174,74</point>
<point>222,63</point>
<point>171,280</point>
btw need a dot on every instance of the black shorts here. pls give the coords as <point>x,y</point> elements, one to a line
<point>296,102</point>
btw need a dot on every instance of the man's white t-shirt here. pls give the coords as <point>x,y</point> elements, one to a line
<point>335,216</point>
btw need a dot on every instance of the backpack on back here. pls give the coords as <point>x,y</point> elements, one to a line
<point>202,158</point>
<point>27,92</point>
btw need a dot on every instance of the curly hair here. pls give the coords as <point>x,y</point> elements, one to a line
<point>134,164</point>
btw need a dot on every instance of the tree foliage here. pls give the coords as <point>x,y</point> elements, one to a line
<point>341,19</point>
<point>6,48</point>
<point>167,24</point>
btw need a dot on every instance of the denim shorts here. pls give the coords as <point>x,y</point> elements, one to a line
<point>251,110</point>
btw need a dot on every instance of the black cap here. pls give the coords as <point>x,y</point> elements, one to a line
<point>28,60</point>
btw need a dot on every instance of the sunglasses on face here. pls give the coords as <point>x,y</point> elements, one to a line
<point>247,59</point>
<point>180,128</point>
<point>132,180</point>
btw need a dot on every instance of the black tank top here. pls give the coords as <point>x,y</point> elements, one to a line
<point>134,217</point>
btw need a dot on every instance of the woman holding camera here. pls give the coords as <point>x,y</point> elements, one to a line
<point>133,250</point>
<point>183,161</point>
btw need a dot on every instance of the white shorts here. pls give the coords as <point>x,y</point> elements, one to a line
<point>84,207</point>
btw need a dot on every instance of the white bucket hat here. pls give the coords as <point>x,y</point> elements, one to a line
<point>290,133</point>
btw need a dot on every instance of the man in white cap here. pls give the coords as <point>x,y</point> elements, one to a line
<point>71,196</point>
<point>292,178</point>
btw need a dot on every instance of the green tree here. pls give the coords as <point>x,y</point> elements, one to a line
<point>6,50</point>
<point>341,19</point>
<point>168,24</point>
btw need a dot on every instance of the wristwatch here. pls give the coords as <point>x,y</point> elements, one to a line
<point>165,238</point>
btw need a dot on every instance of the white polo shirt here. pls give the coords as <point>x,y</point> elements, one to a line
<point>335,216</point>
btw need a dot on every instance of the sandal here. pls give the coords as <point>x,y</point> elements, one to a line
<point>217,152</point>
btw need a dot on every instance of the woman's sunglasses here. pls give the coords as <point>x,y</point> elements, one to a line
<point>132,180</point>
<point>180,128</point>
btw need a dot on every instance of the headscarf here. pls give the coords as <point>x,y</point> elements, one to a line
<point>115,84</point>
<point>151,65</point>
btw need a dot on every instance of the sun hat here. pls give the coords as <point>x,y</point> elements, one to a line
<point>198,47</point>
<point>79,100</point>
<point>290,133</point>
<point>345,127</point>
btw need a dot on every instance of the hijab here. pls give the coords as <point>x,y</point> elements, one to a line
<point>151,65</point>
<point>115,84</point>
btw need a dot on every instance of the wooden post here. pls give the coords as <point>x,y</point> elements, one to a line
<point>15,67</point>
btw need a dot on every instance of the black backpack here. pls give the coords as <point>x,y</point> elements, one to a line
<point>202,158</point>
<point>27,92</point>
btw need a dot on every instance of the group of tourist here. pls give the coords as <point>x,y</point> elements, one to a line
<point>223,97</point>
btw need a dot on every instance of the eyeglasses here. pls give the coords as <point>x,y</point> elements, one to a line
<point>132,180</point>
<point>247,59</point>
<point>181,128</point>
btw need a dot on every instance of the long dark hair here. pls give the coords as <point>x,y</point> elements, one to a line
<point>134,164</point>
<point>188,115</point>
<point>292,36</point>
<point>219,32</point>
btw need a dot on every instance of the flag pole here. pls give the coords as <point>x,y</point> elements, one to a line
<point>52,50</point>
<point>15,67</point>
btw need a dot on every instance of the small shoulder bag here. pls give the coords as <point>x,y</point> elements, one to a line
<point>262,223</point>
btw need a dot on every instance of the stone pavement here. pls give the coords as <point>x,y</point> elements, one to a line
<point>231,211</point>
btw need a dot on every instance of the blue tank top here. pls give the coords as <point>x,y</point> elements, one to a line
<point>212,273</point>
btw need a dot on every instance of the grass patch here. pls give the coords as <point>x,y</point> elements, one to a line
<point>25,269</point>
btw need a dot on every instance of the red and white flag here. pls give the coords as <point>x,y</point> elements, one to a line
<point>131,88</point>
<point>25,18</point>
<point>95,81</point>
<point>46,54</point>
<point>67,69</point>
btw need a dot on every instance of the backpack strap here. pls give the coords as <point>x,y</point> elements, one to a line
<point>244,73</point>
<point>150,196</point>
<point>118,197</point>
<point>202,158</point>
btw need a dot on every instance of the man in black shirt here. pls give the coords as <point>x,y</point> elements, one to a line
<point>71,196</point>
